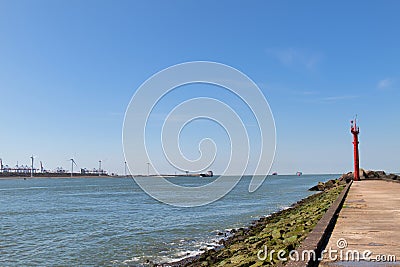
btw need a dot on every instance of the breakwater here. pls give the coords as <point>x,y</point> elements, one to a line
<point>282,231</point>
<point>366,232</point>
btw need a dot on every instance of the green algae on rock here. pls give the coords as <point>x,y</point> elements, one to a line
<point>284,230</point>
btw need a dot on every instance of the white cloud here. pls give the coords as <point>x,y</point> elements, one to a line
<point>385,83</point>
<point>308,92</point>
<point>332,99</point>
<point>292,57</point>
<point>338,98</point>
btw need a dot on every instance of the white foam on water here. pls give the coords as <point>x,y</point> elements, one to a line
<point>284,207</point>
<point>185,254</point>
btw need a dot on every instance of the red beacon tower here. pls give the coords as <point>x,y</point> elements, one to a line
<point>355,131</point>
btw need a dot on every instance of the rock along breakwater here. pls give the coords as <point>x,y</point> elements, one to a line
<point>284,230</point>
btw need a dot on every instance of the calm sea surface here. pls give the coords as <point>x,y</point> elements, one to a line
<point>112,222</point>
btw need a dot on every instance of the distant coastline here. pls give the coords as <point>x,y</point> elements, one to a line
<point>5,176</point>
<point>25,176</point>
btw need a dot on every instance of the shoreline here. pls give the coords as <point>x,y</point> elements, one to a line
<point>285,229</point>
<point>57,177</point>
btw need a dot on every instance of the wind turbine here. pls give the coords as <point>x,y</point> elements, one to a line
<point>72,166</point>
<point>100,168</point>
<point>32,158</point>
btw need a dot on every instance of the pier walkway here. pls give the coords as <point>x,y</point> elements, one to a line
<point>368,221</point>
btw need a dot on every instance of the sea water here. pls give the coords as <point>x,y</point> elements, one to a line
<point>112,222</point>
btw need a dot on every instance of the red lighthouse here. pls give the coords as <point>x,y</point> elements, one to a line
<point>355,131</point>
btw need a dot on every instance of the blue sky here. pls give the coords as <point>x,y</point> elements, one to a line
<point>68,70</point>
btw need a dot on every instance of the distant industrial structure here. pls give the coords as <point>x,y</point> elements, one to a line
<point>25,170</point>
<point>19,170</point>
<point>94,171</point>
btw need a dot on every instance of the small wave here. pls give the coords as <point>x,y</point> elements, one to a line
<point>24,188</point>
<point>130,261</point>
<point>185,254</point>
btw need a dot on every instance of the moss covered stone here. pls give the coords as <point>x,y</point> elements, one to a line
<point>284,230</point>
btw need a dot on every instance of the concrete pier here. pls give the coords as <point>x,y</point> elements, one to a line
<point>368,225</point>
